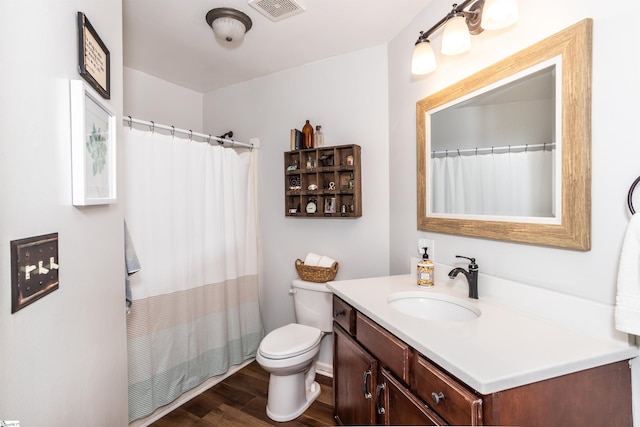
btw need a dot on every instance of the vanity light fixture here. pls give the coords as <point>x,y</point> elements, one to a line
<point>228,24</point>
<point>470,17</point>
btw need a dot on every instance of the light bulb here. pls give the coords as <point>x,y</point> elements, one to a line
<point>498,14</point>
<point>456,38</point>
<point>423,60</point>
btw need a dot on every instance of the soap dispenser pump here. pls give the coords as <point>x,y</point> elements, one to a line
<point>425,270</point>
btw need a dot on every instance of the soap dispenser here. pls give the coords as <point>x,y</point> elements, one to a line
<point>425,270</point>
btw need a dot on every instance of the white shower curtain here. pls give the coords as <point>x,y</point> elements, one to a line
<point>508,184</point>
<point>191,213</point>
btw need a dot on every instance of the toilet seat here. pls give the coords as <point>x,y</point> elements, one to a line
<point>290,341</point>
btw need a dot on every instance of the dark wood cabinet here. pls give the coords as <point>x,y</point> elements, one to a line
<point>323,182</point>
<point>354,381</point>
<point>406,388</point>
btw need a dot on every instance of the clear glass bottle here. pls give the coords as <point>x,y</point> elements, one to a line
<point>318,137</point>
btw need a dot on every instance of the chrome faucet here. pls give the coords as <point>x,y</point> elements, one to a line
<point>471,275</point>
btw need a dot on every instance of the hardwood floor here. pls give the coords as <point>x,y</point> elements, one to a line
<point>241,400</point>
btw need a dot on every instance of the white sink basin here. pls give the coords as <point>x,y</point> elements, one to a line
<point>433,306</point>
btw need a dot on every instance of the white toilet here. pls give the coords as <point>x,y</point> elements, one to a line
<point>289,353</point>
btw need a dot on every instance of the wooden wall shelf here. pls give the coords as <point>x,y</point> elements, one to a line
<point>328,176</point>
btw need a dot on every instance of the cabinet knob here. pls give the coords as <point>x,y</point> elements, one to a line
<point>437,397</point>
<point>339,313</point>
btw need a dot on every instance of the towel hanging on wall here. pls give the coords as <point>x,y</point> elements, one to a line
<point>627,310</point>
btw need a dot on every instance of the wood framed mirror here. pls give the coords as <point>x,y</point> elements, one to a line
<point>555,121</point>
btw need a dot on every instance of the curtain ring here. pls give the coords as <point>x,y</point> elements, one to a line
<point>209,139</point>
<point>446,153</point>
<point>509,149</point>
<point>458,152</point>
<point>492,149</point>
<point>173,130</point>
<point>526,147</point>
<point>153,127</point>
<point>130,122</point>
<point>190,135</point>
<point>476,151</point>
<point>251,146</point>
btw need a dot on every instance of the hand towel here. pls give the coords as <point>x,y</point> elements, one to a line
<point>326,262</point>
<point>312,259</point>
<point>132,265</point>
<point>627,310</point>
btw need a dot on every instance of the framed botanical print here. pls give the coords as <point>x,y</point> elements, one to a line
<point>93,147</point>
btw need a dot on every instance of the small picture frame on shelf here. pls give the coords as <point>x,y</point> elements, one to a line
<point>330,205</point>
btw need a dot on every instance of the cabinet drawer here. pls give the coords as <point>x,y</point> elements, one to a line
<point>401,408</point>
<point>390,351</point>
<point>344,315</point>
<point>443,394</point>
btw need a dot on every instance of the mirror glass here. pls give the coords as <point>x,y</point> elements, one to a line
<point>493,153</point>
<point>505,153</point>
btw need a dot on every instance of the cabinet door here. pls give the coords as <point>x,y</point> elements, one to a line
<point>396,405</point>
<point>354,381</point>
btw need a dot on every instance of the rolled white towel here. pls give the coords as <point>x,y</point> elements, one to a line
<point>312,259</point>
<point>326,262</point>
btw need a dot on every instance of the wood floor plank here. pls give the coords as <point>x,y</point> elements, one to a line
<point>229,416</point>
<point>241,401</point>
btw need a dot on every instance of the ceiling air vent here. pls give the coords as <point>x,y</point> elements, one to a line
<point>277,10</point>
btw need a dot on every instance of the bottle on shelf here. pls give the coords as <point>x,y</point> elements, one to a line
<point>307,135</point>
<point>318,137</point>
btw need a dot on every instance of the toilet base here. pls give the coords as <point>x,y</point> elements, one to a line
<point>281,404</point>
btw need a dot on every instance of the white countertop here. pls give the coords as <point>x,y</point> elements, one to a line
<point>505,347</point>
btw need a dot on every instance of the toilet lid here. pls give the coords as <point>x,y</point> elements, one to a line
<point>290,340</point>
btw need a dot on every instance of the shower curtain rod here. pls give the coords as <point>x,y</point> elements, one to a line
<point>491,150</point>
<point>207,137</point>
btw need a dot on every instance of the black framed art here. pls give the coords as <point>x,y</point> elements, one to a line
<point>93,57</point>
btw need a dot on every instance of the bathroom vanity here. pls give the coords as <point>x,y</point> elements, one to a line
<point>505,365</point>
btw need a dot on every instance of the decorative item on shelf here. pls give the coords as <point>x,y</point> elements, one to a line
<point>307,133</point>
<point>312,187</point>
<point>294,183</point>
<point>326,160</point>
<point>349,160</point>
<point>330,205</point>
<point>296,139</point>
<point>312,206</point>
<point>311,162</point>
<point>318,137</point>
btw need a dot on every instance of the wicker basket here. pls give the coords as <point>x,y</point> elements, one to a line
<point>316,274</point>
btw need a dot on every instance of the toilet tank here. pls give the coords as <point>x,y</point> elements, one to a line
<point>313,304</point>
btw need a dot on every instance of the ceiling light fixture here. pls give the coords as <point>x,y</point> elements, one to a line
<point>228,24</point>
<point>470,17</point>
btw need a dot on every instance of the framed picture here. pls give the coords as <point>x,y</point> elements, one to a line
<point>93,147</point>
<point>93,57</point>
<point>330,205</point>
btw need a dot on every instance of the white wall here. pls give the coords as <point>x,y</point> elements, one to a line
<point>63,358</point>
<point>153,99</point>
<point>348,96</point>
<point>615,150</point>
